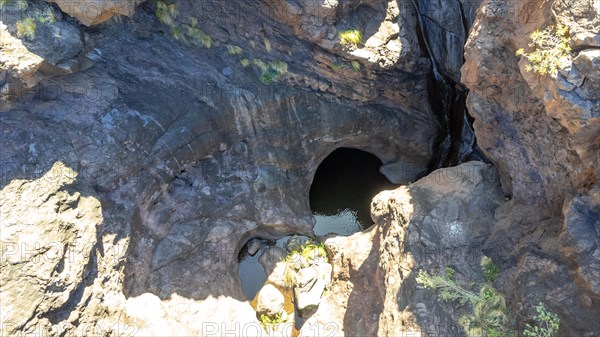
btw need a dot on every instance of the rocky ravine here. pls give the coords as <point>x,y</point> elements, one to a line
<point>136,166</point>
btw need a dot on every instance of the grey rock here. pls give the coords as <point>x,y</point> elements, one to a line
<point>270,301</point>
<point>227,71</point>
<point>190,164</point>
<point>572,74</point>
<point>581,238</point>
<point>311,283</point>
<point>254,246</point>
<point>272,256</point>
<point>549,127</point>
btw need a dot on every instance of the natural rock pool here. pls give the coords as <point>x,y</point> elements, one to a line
<point>251,271</point>
<point>342,189</point>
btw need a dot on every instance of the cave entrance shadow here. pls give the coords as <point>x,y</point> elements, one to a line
<point>342,189</point>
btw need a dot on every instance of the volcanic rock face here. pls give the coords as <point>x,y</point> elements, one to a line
<point>441,220</point>
<point>151,162</point>
<point>543,134</point>
<point>189,156</point>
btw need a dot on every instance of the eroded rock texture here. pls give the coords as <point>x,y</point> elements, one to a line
<point>543,134</point>
<point>441,220</point>
<point>151,161</point>
<point>189,155</point>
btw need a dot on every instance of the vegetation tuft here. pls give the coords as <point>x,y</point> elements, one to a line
<point>489,315</point>
<point>310,252</point>
<point>19,5</point>
<point>235,50</point>
<point>351,37</point>
<point>270,71</point>
<point>166,13</point>
<point>26,28</point>
<point>198,37</point>
<point>270,323</point>
<point>245,63</point>
<point>547,323</point>
<point>550,46</point>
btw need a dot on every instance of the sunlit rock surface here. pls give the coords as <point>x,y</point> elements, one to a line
<point>152,161</point>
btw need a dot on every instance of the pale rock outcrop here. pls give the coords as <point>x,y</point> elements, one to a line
<point>49,235</point>
<point>94,12</point>
<point>269,301</point>
<point>311,283</point>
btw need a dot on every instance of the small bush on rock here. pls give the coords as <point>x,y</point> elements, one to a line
<point>550,47</point>
<point>235,50</point>
<point>547,323</point>
<point>268,322</point>
<point>310,252</point>
<point>351,37</point>
<point>198,37</point>
<point>270,71</point>
<point>166,13</point>
<point>20,5</point>
<point>489,315</point>
<point>26,28</point>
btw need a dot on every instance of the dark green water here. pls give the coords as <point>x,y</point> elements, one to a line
<point>342,189</point>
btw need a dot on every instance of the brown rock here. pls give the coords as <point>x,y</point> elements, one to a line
<point>94,12</point>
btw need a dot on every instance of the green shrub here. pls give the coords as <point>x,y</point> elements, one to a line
<point>279,66</point>
<point>355,65</point>
<point>177,33</point>
<point>271,71</point>
<point>26,28</point>
<point>351,37</point>
<point>310,251</point>
<point>245,63</point>
<point>550,47</point>
<point>336,66</point>
<point>45,15</point>
<point>268,77</point>
<point>20,5</point>
<point>166,13</point>
<point>234,50</point>
<point>268,322</point>
<point>547,323</point>
<point>490,270</point>
<point>489,315</point>
<point>262,66</point>
<point>198,37</point>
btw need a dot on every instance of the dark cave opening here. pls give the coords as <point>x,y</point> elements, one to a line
<point>342,189</point>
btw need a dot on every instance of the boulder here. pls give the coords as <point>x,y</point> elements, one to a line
<point>254,246</point>
<point>270,301</point>
<point>94,12</point>
<point>311,283</point>
<point>272,258</point>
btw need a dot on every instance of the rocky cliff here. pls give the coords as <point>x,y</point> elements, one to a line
<point>543,134</point>
<point>140,153</point>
